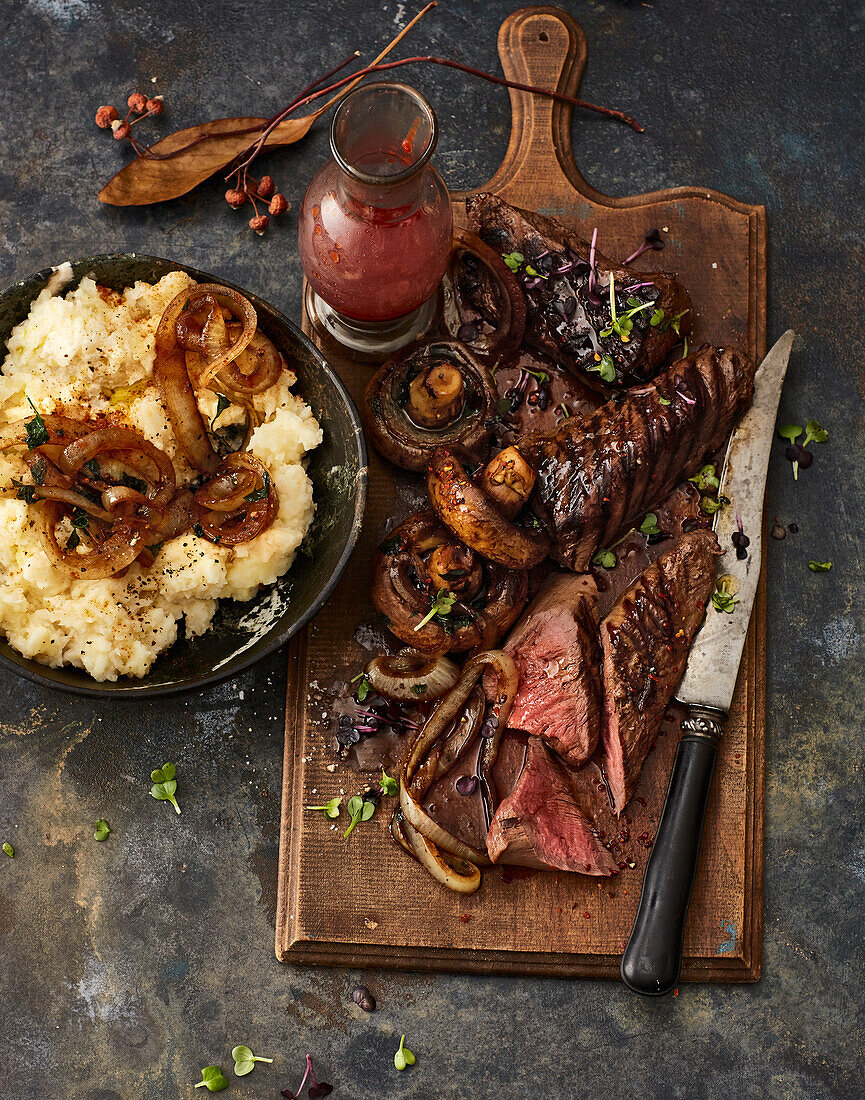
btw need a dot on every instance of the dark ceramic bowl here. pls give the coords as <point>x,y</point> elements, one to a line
<point>242,633</point>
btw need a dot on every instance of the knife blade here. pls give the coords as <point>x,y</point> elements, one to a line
<point>652,958</point>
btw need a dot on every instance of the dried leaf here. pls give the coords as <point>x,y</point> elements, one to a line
<point>144,181</point>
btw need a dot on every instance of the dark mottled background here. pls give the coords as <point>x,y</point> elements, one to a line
<point>126,966</point>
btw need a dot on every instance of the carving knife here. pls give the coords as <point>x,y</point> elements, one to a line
<point>653,956</point>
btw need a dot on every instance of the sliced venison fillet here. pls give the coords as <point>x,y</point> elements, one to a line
<point>556,650</point>
<point>597,475</point>
<point>540,824</point>
<point>645,641</point>
<point>564,316</point>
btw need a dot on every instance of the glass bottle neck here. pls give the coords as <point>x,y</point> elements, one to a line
<point>380,202</point>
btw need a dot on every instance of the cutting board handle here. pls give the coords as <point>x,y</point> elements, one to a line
<point>544,47</point>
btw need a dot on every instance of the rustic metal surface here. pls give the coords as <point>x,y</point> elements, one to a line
<point>128,965</point>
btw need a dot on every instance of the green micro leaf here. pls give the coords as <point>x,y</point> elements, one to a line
<point>363,688</point>
<point>9,850</point>
<point>329,809</point>
<point>706,479</point>
<point>664,400</point>
<point>656,317</point>
<point>389,785</point>
<point>790,432</point>
<point>606,558</point>
<point>165,785</point>
<point>212,1079</point>
<point>244,1060</point>
<point>102,829</point>
<point>403,1056</point>
<point>819,566</point>
<point>513,260</point>
<point>649,526</point>
<point>441,606</point>
<point>813,433</point>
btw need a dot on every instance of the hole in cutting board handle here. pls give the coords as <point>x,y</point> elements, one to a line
<point>543,37</point>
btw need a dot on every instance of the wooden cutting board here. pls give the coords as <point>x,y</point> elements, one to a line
<point>362,902</point>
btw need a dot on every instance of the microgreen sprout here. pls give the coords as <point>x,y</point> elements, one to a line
<point>514,260</point>
<point>651,241</point>
<point>622,323</point>
<point>797,453</point>
<point>101,829</point>
<point>706,479</point>
<point>606,368</point>
<point>665,400</point>
<point>359,810</point>
<point>244,1061</point>
<point>403,1056</point>
<point>649,526</point>
<point>389,785</point>
<point>317,1090</point>
<point>606,558</point>
<point>9,850</point>
<point>165,785</point>
<point>819,566</point>
<point>329,809</point>
<point>212,1079</point>
<point>564,409</point>
<point>541,375</point>
<point>724,597</point>
<point>363,687</point>
<point>442,606</point>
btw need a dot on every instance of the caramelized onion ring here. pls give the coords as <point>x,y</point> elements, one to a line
<point>395,435</point>
<point>114,438</point>
<point>470,514</point>
<point>412,791</point>
<point>214,298</point>
<point>511,324</point>
<point>241,520</point>
<point>169,369</point>
<point>120,549</point>
<point>411,677</point>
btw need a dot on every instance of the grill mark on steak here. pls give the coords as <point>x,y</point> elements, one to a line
<point>541,825</point>
<point>562,320</point>
<point>645,641</point>
<point>556,650</point>
<point>598,474</point>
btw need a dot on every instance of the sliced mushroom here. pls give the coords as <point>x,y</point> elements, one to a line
<point>403,589</point>
<point>476,519</point>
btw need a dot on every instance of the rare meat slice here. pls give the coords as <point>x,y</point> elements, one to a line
<point>565,316</point>
<point>597,475</point>
<point>556,649</point>
<point>540,824</point>
<point>645,641</point>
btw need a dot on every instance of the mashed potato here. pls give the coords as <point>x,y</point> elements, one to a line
<point>92,352</point>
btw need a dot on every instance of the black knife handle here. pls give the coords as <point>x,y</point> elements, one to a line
<point>653,956</point>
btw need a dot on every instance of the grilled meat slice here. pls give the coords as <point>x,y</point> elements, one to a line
<point>556,649</point>
<point>645,641</point>
<point>564,316</point>
<point>540,824</point>
<point>598,474</point>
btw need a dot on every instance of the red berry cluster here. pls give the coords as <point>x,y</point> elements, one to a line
<point>264,191</point>
<point>139,105</point>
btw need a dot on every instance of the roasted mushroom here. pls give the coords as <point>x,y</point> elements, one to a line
<point>428,396</point>
<point>481,513</point>
<point>408,572</point>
